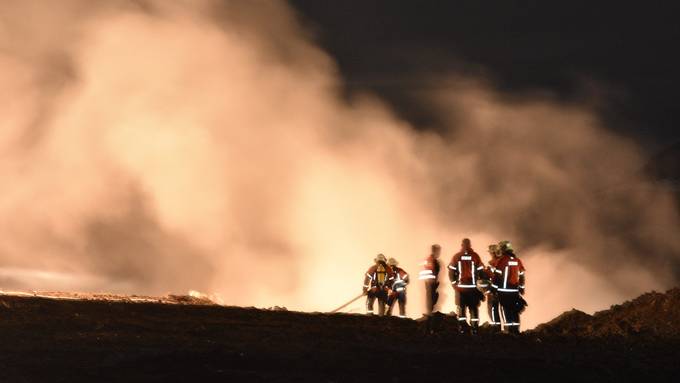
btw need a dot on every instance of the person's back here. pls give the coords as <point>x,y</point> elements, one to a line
<point>467,266</point>
<point>511,274</point>
<point>509,282</point>
<point>377,280</point>
<point>465,269</point>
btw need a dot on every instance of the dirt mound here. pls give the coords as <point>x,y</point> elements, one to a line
<point>651,314</point>
<point>67,337</point>
<point>567,323</point>
<point>192,298</point>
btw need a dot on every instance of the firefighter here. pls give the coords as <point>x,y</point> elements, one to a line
<point>377,284</point>
<point>465,269</point>
<point>492,304</point>
<point>398,288</point>
<point>430,275</point>
<point>509,283</point>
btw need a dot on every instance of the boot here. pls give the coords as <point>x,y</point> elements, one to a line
<point>389,310</point>
<point>402,310</point>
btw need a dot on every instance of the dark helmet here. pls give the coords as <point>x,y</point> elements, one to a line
<point>506,247</point>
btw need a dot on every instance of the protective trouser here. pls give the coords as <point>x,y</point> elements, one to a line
<point>493,307</point>
<point>400,298</point>
<point>512,307</point>
<point>468,301</point>
<point>431,295</point>
<point>374,294</point>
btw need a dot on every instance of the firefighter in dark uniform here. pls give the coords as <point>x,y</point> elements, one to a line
<point>509,282</point>
<point>465,269</point>
<point>398,291</point>
<point>377,284</point>
<point>430,275</point>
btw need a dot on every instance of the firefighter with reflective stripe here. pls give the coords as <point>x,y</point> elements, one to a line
<point>509,281</point>
<point>377,283</point>
<point>430,275</point>
<point>465,269</point>
<point>398,291</point>
<point>492,305</point>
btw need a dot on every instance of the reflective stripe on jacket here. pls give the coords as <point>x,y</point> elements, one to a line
<point>509,274</point>
<point>465,269</point>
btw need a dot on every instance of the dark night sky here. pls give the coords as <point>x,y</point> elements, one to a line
<point>629,49</point>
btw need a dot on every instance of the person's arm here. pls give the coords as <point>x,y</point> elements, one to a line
<point>391,277</point>
<point>497,276</point>
<point>488,273</point>
<point>367,281</point>
<point>522,277</point>
<point>453,271</point>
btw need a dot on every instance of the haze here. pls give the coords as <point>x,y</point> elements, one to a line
<point>154,147</point>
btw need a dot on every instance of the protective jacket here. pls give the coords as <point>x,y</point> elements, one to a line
<point>379,277</point>
<point>400,279</point>
<point>430,269</point>
<point>509,275</point>
<point>509,282</point>
<point>465,269</point>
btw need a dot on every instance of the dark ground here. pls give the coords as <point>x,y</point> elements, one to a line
<point>48,340</point>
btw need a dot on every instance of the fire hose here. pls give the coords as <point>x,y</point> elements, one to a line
<point>348,303</point>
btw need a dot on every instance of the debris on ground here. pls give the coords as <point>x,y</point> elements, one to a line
<point>651,314</point>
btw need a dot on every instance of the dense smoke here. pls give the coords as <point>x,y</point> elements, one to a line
<point>155,146</point>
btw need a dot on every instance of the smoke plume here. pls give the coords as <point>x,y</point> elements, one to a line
<point>155,146</point>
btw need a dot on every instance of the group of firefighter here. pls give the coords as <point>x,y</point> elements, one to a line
<point>500,284</point>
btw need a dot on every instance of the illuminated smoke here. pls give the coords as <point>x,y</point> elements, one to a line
<point>157,147</point>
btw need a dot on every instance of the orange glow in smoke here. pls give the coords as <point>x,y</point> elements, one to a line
<point>165,148</point>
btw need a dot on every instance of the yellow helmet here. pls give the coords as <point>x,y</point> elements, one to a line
<point>392,262</point>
